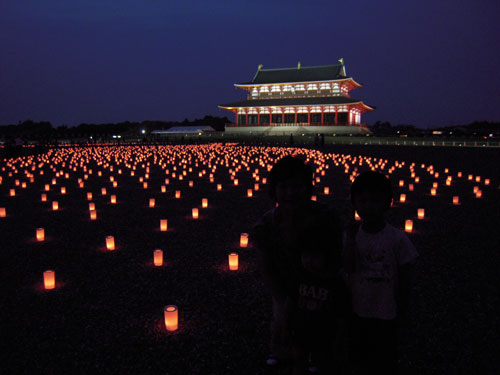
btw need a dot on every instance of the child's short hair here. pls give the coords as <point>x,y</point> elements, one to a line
<point>373,182</point>
<point>289,167</point>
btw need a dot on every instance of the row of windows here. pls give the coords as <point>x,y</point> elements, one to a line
<point>301,109</point>
<point>315,118</point>
<point>334,87</point>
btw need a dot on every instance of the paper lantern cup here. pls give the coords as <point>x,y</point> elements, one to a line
<point>244,240</point>
<point>408,226</point>
<point>158,258</point>
<point>163,225</point>
<point>233,261</point>
<point>171,315</point>
<point>49,279</point>
<point>110,243</point>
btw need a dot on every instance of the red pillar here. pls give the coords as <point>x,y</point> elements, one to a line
<point>322,115</point>
<point>308,116</point>
<point>258,118</point>
<point>295,116</point>
<point>246,118</point>
<point>336,117</point>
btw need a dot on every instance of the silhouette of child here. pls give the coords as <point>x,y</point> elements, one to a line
<point>378,260</point>
<point>299,244</point>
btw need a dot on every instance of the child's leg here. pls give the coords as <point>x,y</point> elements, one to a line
<point>280,330</point>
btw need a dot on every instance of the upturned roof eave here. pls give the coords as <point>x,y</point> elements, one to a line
<point>251,83</point>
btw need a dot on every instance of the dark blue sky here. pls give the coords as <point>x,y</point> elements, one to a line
<point>425,62</point>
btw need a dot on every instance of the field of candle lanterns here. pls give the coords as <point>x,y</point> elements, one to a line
<point>135,259</point>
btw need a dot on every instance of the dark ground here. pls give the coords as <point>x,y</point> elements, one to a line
<point>105,316</point>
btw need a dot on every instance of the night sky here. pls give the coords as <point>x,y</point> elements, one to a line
<point>426,63</point>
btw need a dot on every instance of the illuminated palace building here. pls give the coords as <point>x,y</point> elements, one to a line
<point>309,99</point>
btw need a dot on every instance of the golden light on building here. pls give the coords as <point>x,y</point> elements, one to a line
<point>110,243</point>
<point>40,234</point>
<point>233,261</point>
<point>49,279</point>
<point>163,225</point>
<point>244,240</point>
<point>171,315</point>
<point>158,258</point>
<point>408,226</point>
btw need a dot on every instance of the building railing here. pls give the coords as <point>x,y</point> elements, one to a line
<point>305,94</point>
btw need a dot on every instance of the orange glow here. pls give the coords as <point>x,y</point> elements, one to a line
<point>47,187</point>
<point>191,183</point>
<point>152,202</point>
<point>402,198</point>
<point>158,258</point>
<point>408,226</point>
<point>170,313</point>
<point>3,212</point>
<point>401,183</point>
<point>63,190</point>
<point>163,225</point>
<point>487,181</point>
<point>204,203</point>
<point>411,187</point>
<point>256,187</point>
<point>55,206</point>
<point>40,234</point>
<point>177,194</point>
<point>49,279</point>
<point>89,196</point>
<point>469,177</point>
<point>326,190</point>
<point>163,189</point>
<point>459,174</point>
<point>12,192</point>
<point>417,180</point>
<point>195,213</point>
<point>103,191</point>
<point>110,243</point>
<point>93,214</point>
<point>249,193</point>
<point>145,185</point>
<point>434,184</point>
<point>219,187</point>
<point>44,197</point>
<point>478,178</point>
<point>113,199</point>
<point>475,189</point>
<point>479,194</point>
<point>421,213</point>
<point>456,200</point>
<point>433,191</point>
<point>244,240</point>
<point>235,181</point>
<point>314,198</point>
<point>356,216</point>
<point>233,262</point>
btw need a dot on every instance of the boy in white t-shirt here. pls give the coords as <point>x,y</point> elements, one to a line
<point>378,260</point>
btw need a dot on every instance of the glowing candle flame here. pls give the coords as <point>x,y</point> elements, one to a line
<point>171,317</point>
<point>233,261</point>
<point>49,279</point>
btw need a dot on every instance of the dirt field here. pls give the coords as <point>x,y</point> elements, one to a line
<point>106,313</point>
